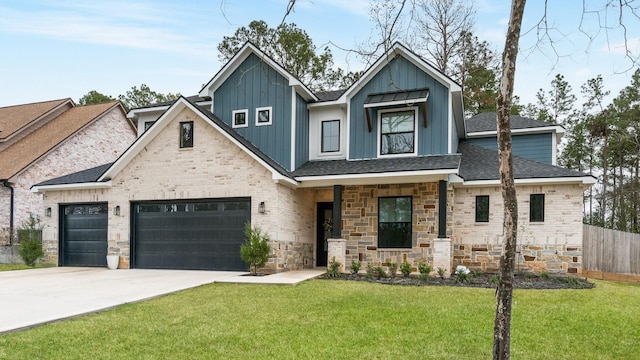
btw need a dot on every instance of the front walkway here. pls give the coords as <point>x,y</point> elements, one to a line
<point>30,298</point>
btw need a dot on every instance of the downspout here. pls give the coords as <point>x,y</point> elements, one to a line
<point>5,183</point>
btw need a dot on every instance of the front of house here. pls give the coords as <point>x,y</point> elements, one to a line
<point>384,171</point>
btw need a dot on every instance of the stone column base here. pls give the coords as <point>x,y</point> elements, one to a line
<point>442,255</point>
<point>337,248</point>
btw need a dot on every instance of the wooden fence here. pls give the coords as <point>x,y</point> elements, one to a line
<point>610,254</point>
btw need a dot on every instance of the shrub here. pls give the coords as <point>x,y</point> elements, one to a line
<point>405,268</point>
<point>424,269</point>
<point>255,251</point>
<point>544,275</point>
<point>355,266</point>
<point>369,271</point>
<point>476,273</point>
<point>378,272</point>
<point>393,269</point>
<point>494,279</point>
<point>462,274</point>
<point>31,241</point>
<point>333,270</point>
<point>441,272</point>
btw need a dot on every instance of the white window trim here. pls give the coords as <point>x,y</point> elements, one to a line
<point>270,115</point>
<point>415,131</point>
<point>339,151</point>
<point>246,118</point>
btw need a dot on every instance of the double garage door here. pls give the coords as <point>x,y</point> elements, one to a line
<point>198,234</point>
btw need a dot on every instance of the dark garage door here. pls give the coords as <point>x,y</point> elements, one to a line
<point>203,234</point>
<point>83,240</point>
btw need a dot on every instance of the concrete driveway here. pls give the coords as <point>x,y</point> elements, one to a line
<point>34,297</point>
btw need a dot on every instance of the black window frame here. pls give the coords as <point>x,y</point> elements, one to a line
<point>185,141</point>
<point>148,124</point>
<point>322,137</point>
<point>482,208</point>
<point>385,230</point>
<point>382,151</point>
<point>245,113</point>
<point>536,207</point>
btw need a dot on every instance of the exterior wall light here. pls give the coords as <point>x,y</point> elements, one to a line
<point>116,210</point>
<point>261,207</point>
<point>47,212</point>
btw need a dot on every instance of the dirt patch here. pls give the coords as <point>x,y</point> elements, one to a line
<point>520,281</point>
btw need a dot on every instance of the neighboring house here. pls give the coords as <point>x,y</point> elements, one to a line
<point>49,139</point>
<point>387,169</point>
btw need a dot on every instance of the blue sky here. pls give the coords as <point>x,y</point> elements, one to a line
<point>64,48</point>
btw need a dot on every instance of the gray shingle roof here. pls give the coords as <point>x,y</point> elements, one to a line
<point>487,122</point>
<point>85,176</point>
<point>372,166</point>
<point>482,164</point>
<point>330,95</point>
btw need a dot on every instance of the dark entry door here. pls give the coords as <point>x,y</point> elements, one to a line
<point>325,219</point>
<point>197,234</point>
<point>83,235</point>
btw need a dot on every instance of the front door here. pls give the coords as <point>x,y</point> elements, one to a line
<point>325,220</point>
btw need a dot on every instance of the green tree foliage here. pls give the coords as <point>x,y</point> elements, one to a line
<point>255,251</point>
<point>94,97</point>
<point>477,71</point>
<point>555,105</point>
<point>143,96</point>
<point>30,241</point>
<point>293,49</point>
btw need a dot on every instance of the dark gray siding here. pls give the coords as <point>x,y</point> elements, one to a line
<point>302,131</point>
<point>255,84</point>
<point>400,74</point>
<point>537,147</point>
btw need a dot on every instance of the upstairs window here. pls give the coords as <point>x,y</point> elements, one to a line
<point>482,208</point>
<point>264,116</point>
<point>330,136</point>
<point>397,132</point>
<point>394,222</point>
<point>147,124</point>
<point>536,208</point>
<point>186,134</point>
<point>240,118</point>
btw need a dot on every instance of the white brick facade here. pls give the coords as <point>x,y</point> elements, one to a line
<point>99,143</point>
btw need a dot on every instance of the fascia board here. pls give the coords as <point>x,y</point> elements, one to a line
<point>65,187</point>
<point>535,130</point>
<point>584,180</point>
<point>375,178</point>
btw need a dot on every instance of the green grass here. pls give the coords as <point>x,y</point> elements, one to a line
<point>11,267</point>
<point>344,320</point>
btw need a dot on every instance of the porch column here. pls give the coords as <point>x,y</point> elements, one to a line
<point>442,209</point>
<point>336,232</point>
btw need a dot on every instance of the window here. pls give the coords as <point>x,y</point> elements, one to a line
<point>394,222</point>
<point>482,208</point>
<point>536,208</point>
<point>330,136</point>
<point>240,118</point>
<point>397,132</point>
<point>263,116</point>
<point>186,134</point>
<point>147,124</point>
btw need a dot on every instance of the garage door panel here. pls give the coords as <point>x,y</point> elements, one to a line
<point>203,234</point>
<point>83,235</point>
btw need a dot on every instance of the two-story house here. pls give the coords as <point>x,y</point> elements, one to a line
<point>386,170</point>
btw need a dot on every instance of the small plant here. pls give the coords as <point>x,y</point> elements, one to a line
<point>255,251</point>
<point>424,269</point>
<point>369,271</point>
<point>528,276</point>
<point>462,274</point>
<point>333,270</point>
<point>405,268</point>
<point>476,273</point>
<point>378,272</point>
<point>544,275</point>
<point>441,272</point>
<point>393,269</point>
<point>31,242</point>
<point>355,266</point>
<point>494,279</point>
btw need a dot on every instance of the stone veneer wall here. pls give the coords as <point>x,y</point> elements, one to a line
<point>97,144</point>
<point>553,246</point>
<point>360,223</point>
<point>213,168</point>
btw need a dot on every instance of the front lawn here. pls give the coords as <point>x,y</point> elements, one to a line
<point>321,319</point>
<point>11,267</point>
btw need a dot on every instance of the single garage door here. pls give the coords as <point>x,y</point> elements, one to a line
<point>201,235</point>
<point>83,235</point>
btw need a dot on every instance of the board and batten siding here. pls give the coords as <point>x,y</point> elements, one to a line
<point>254,84</point>
<point>537,147</point>
<point>302,132</point>
<point>398,75</point>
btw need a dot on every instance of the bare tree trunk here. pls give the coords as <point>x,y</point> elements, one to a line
<point>502,325</point>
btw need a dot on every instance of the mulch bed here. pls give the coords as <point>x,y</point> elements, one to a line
<point>520,281</point>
